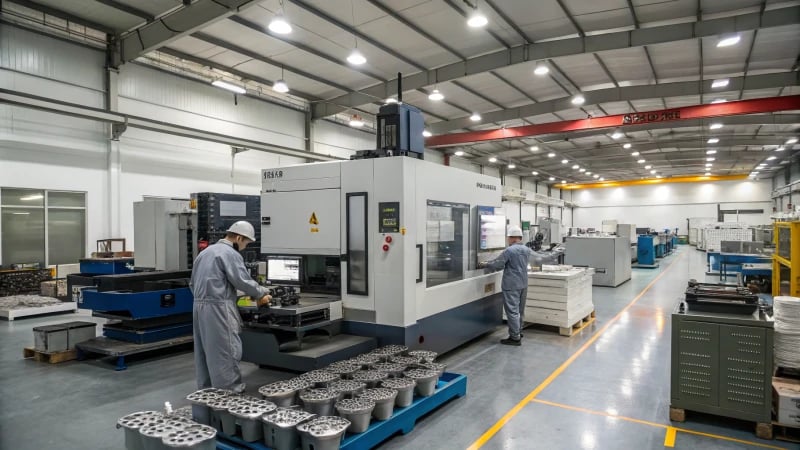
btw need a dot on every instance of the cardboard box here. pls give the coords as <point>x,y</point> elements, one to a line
<point>786,400</point>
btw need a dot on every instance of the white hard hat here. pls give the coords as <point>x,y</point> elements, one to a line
<point>243,228</point>
<point>514,231</point>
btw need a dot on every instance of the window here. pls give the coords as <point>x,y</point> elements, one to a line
<point>39,226</point>
<point>447,242</point>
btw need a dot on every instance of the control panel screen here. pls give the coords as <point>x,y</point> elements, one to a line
<point>283,270</point>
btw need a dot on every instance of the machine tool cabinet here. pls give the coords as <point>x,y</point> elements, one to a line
<point>722,364</point>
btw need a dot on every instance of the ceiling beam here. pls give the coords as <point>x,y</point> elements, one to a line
<point>621,94</point>
<point>173,26</point>
<point>652,181</point>
<point>755,106</point>
<point>63,15</point>
<point>128,9</point>
<point>572,46</point>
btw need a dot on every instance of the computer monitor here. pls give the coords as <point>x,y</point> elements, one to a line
<point>284,269</point>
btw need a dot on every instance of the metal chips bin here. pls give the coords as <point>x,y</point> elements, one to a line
<point>279,426</point>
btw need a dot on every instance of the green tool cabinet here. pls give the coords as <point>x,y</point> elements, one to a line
<point>722,364</point>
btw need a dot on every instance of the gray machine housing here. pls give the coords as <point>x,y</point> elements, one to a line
<point>610,256</point>
<point>164,233</point>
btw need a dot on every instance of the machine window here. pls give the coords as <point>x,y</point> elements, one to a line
<point>357,281</point>
<point>447,242</point>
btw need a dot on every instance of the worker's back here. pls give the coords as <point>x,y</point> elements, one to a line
<point>515,272</point>
<point>209,279</point>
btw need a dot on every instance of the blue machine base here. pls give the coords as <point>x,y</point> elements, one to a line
<point>148,335</point>
<point>139,305</point>
<point>450,386</point>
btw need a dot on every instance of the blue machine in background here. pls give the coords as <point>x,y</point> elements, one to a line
<point>646,251</point>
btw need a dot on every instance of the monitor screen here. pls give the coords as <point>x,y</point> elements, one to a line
<point>283,270</point>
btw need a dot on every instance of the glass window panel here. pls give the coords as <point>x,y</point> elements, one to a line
<point>67,199</point>
<point>22,235</point>
<point>357,267</point>
<point>21,197</point>
<point>447,242</point>
<point>66,233</point>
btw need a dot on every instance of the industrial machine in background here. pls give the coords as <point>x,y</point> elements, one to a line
<point>646,252</point>
<point>551,231</point>
<point>610,256</point>
<point>165,233</point>
<point>216,212</point>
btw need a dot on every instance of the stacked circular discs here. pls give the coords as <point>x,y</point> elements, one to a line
<point>787,332</point>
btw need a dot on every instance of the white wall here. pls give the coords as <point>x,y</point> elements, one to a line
<point>669,205</point>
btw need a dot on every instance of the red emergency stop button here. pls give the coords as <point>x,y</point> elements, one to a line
<point>388,239</point>
<point>385,247</point>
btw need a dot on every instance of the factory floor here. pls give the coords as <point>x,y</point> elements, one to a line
<point>607,387</point>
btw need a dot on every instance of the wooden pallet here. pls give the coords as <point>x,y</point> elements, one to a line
<point>50,357</point>
<point>763,430</point>
<point>567,331</point>
<point>786,433</point>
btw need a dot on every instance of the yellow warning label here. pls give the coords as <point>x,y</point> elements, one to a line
<point>313,220</point>
<point>314,230</point>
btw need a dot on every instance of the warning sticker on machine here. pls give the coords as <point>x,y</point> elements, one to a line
<point>314,230</point>
<point>313,220</point>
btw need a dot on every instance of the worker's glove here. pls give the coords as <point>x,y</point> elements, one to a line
<point>264,301</point>
<point>483,264</point>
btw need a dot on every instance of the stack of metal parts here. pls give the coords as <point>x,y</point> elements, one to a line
<point>147,430</point>
<point>23,281</point>
<point>720,298</point>
<point>787,332</point>
<point>26,301</point>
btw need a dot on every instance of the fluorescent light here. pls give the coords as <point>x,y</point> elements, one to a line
<point>626,146</point>
<point>641,161</point>
<point>715,126</point>
<point>229,86</point>
<point>492,159</point>
<point>280,86</point>
<point>708,173</point>
<point>475,117</point>
<point>552,179</point>
<point>356,58</point>
<point>780,148</point>
<point>595,176</point>
<point>541,70</point>
<point>534,148</point>
<point>653,171</point>
<point>564,161</point>
<point>578,100</point>
<point>713,141</point>
<point>709,159</point>
<point>727,41</point>
<point>635,154</point>
<point>534,173</point>
<point>575,167</point>
<point>32,197</point>
<point>771,158</point>
<point>280,25</point>
<point>426,133</point>
<point>581,170</point>
<point>719,100</point>
<point>21,213</point>
<point>477,20</point>
<point>563,181</point>
<point>792,141</point>
<point>551,155</point>
<point>356,121</point>
<point>588,173</point>
<point>512,166</point>
<point>616,134</point>
<point>459,153</point>
<point>709,164</point>
<point>711,152</point>
<point>720,83</point>
<point>436,96</point>
<point>602,179</point>
<point>390,100</point>
<point>659,176</point>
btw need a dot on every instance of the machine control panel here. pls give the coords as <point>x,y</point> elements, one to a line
<point>389,217</point>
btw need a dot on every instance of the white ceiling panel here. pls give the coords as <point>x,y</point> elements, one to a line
<point>660,10</point>
<point>628,66</point>
<point>196,47</point>
<point>495,89</point>
<point>600,14</point>
<point>293,80</point>
<point>585,72</point>
<point>713,7</point>
<point>676,59</point>
<point>546,20</point>
<point>718,61</point>
<point>96,12</point>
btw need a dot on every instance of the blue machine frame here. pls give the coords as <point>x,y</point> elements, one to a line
<point>140,305</point>
<point>450,386</point>
<point>110,266</point>
<point>645,251</point>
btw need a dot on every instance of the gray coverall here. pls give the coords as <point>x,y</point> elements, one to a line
<point>218,272</point>
<point>514,263</point>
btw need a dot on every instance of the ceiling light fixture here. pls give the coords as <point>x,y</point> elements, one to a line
<point>772,158</point>
<point>436,96</point>
<point>551,155</point>
<point>792,141</point>
<point>564,161</point>
<point>563,181</point>
<point>708,173</point>
<point>709,159</point>
<point>512,166</point>
<point>476,19</point>
<point>779,149</point>
<point>641,161</point>
<point>280,86</point>
<point>541,69</point>
<point>279,24</point>
<point>648,167</point>
<point>534,148</point>
<point>653,172</point>
<point>659,176</point>
<point>718,100</point>
<point>715,126</point>
<point>581,170</point>
<point>727,41</point>
<point>27,198</point>
<point>578,100</point>
<point>356,58</point>
<point>626,146</point>
<point>575,167</point>
<point>356,121</point>
<point>426,133</point>
<point>713,141</point>
<point>709,164</point>
<point>595,176</point>
<point>390,100</point>
<point>492,159</point>
<point>534,173</point>
<point>602,179</point>
<point>635,154</point>
<point>229,86</point>
<point>459,153</point>
<point>711,152</point>
<point>552,179</point>
<point>720,83</point>
<point>475,117</point>
<point>588,173</point>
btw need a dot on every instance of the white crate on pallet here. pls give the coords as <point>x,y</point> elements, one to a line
<point>559,298</point>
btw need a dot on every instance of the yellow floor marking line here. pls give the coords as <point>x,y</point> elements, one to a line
<point>670,429</point>
<point>516,409</point>
<point>669,439</point>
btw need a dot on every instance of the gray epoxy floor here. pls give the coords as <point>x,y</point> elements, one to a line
<point>613,395</point>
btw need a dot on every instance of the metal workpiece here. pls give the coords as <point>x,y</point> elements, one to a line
<point>135,421</point>
<point>220,418</point>
<point>388,351</point>
<point>393,370</point>
<point>344,368</point>
<point>323,433</point>
<point>425,355</point>
<point>358,411</point>
<point>248,415</point>
<point>195,437</point>
<point>407,360</point>
<point>152,435</point>
<point>405,390</point>
<point>370,377</point>
<point>426,380</point>
<point>200,399</point>
<point>320,378</point>
<point>384,402</point>
<point>279,427</point>
<point>368,360</point>
<point>182,413</point>
<point>439,367</point>
<point>348,388</point>
<point>319,401</point>
<point>284,393</point>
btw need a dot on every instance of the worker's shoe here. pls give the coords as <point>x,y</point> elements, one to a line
<point>510,341</point>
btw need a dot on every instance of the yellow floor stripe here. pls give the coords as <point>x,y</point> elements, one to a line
<point>513,411</point>
<point>669,439</point>
<point>670,429</point>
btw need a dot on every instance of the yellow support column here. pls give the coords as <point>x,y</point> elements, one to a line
<point>786,257</point>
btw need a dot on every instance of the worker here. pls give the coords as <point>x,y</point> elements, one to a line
<point>514,263</point>
<point>218,272</point>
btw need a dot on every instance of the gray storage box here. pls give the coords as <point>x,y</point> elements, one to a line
<point>63,336</point>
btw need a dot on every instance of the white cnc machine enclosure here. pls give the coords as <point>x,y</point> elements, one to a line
<point>317,209</point>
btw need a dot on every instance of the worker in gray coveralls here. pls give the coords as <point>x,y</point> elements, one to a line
<point>218,272</point>
<point>514,264</point>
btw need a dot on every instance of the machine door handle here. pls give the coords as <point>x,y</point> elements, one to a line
<point>419,271</point>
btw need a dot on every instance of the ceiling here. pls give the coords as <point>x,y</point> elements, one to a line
<point>588,47</point>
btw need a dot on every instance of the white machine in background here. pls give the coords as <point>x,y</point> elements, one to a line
<point>164,233</point>
<point>397,238</point>
<point>551,230</point>
<point>610,256</point>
